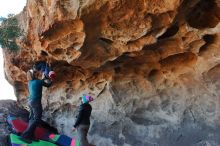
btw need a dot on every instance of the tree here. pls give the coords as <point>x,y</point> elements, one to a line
<point>9,31</point>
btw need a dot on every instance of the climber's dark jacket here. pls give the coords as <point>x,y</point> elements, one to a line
<point>84,113</point>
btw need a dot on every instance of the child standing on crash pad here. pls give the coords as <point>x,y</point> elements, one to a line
<point>35,87</point>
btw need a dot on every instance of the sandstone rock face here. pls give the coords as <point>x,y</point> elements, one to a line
<point>153,67</point>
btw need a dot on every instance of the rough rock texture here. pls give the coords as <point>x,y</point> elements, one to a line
<point>152,65</point>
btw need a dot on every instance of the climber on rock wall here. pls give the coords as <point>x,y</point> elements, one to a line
<point>82,122</point>
<point>44,65</point>
<point>35,87</point>
<point>45,68</point>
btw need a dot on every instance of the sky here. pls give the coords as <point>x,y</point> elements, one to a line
<point>8,7</point>
<point>11,7</point>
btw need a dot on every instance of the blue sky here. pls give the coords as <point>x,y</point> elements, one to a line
<point>8,7</point>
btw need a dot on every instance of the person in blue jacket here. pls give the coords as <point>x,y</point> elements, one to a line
<point>42,66</point>
<point>35,87</point>
<point>45,68</point>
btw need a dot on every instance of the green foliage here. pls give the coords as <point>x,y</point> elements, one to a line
<point>9,31</point>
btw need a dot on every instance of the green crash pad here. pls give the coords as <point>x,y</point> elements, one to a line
<point>15,141</point>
